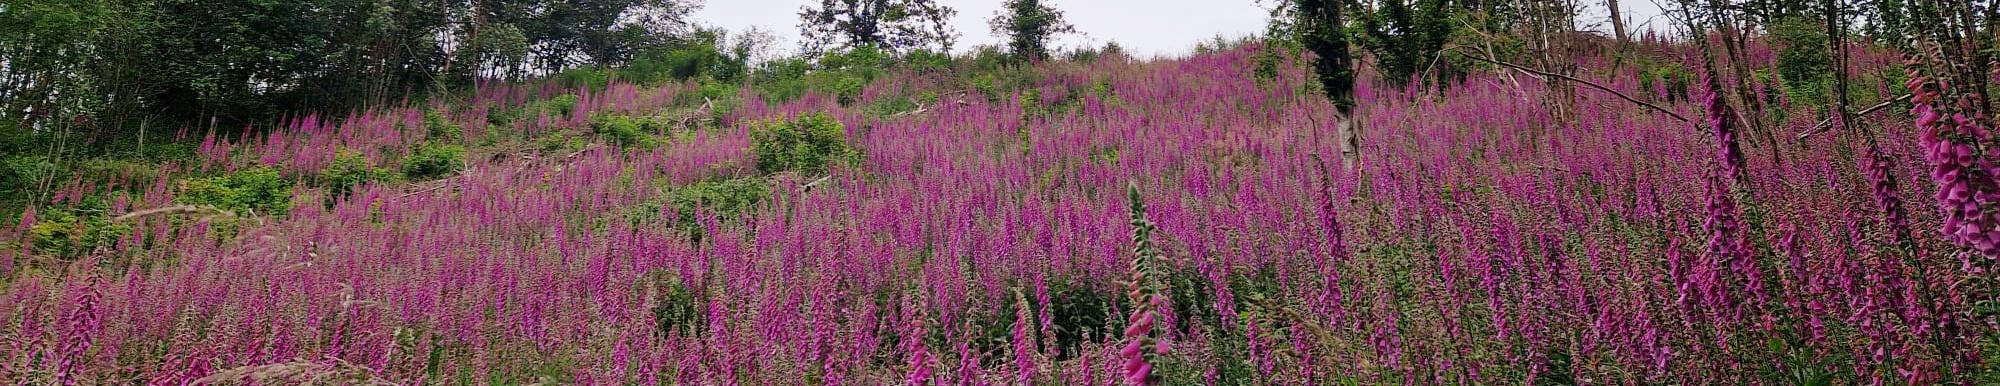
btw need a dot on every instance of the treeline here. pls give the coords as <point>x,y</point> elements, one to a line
<point>95,65</point>
<point>98,64</point>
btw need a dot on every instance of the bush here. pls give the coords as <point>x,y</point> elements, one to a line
<point>255,190</point>
<point>348,171</point>
<point>806,144</point>
<point>559,106</point>
<point>842,74</point>
<point>591,77</point>
<point>726,199</point>
<point>20,173</point>
<point>628,131</point>
<point>67,234</point>
<point>924,61</point>
<point>429,161</point>
<point>437,128</point>
<point>691,61</point>
<point>1803,62</point>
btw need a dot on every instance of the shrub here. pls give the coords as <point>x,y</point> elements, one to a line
<point>348,171</point>
<point>437,128</point>
<point>21,172</point>
<point>924,61</point>
<point>559,106</point>
<point>73,232</point>
<point>681,63</point>
<point>806,144</point>
<point>502,116</point>
<point>1082,314</point>
<point>677,310</point>
<point>628,131</point>
<point>1802,60</point>
<point>591,77</point>
<point>255,190</point>
<point>429,161</point>
<point>681,206</point>
<point>892,105</point>
<point>726,198</point>
<point>561,142</point>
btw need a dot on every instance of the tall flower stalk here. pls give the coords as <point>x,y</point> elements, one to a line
<point>1148,295</point>
<point>1952,138</point>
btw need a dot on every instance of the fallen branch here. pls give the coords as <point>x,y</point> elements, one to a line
<point>1546,74</point>
<point>919,110</point>
<point>431,189</point>
<point>580,152</point>
<point>809,185</point>
<point>446,182</point>
<point>706,105</point>
<point>165,210</point>
<point>1827,124</point>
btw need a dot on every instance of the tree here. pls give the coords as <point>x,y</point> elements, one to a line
<point>1317,25</point>
<point>1617,23</point>
<point>565,33</point>
<point>231,62</point>
<point>1029,25</point>
<point>1407,38</point>
<point>894,25</point>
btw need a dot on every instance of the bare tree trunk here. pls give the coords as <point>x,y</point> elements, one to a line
<point>1618,23</point>
<point>1836,35</point>
<point>1349,134</point>
<point>1323,33</point>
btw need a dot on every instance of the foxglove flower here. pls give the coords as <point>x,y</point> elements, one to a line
<point>1951,141</point>
<point>1148,299</point>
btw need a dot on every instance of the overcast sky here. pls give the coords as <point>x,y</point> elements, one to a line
<point>1143,27</point>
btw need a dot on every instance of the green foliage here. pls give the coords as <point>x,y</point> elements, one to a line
<point>1028,26</point>
<point>895,25</point>
<point>998,84</point>
<point>842,74</point>
<point>892,105</point>
<point>259,190</point>
<point>677,310</point>
<point>437,128</point>
<point>924,61</point>
<point>682,206</point>
<point>21,173</point>
<point>430,161</point>
<point>1082,314</point>
<point>1408,37</point>
<point>725,198</point>
<point>499,48</point>
<point>1803,60</point>
<point>348,171</point>
<point>865,58</point>
<point>1671,76</point>
<point>1319,26</point>
<point>587,77</point>
<point>560,106</point>
<point>806,144</point>
<point>629,131</point>
<point>701,55</point>
<point>239,62</point>
<point>75,231</point>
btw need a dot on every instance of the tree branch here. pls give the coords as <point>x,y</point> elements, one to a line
<point>165,210</point>
<point>1546,74</point>
<point>1827,124</point>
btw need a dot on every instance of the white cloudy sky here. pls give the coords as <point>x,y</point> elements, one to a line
<point>1144,27</point>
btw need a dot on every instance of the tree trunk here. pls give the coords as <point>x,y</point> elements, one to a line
<point>1345,129</point>
<point>1323,33</point>
<point>1618,23</point>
